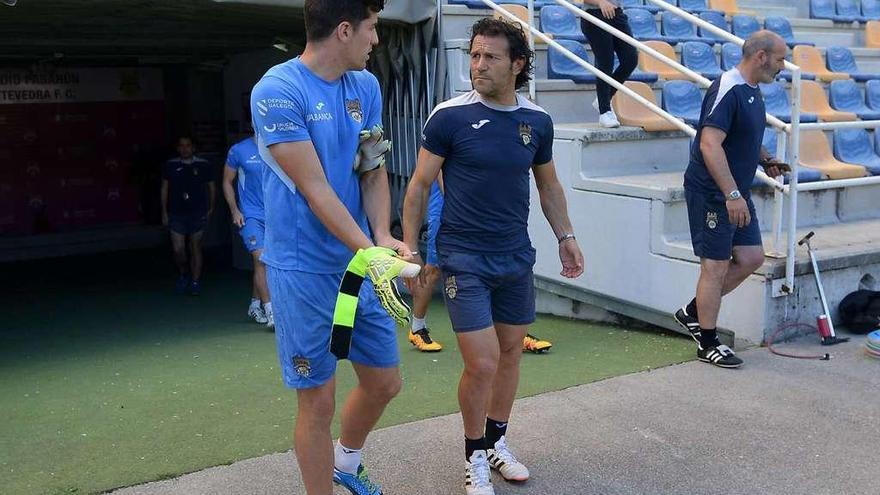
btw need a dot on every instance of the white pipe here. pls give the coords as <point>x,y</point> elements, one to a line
<point>855,124</point>
<point>532,90</point>
<point>837,184</point>
<point>794,147</point>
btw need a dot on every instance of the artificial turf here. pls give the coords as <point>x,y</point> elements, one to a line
<point>108,378</point>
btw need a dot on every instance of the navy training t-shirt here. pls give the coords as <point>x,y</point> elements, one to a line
<point>489,151</point>
<point>737,108</point>
<point>187,185</point>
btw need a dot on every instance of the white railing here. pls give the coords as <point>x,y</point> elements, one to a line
<point>792,130</point>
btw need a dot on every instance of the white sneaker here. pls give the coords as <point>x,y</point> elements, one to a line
<point>596,106</point>
<point>477,476</point>
<point>257,314</point>
<point>609,120</point>
<point>270,320</point>
<point>503,460</point>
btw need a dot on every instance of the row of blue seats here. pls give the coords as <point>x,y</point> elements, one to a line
<point>856,146</point>
<point>845,10</point>
<point>674,29</point>
<point>700,58</point>
<point>683,99</point>
<point>689,5</point>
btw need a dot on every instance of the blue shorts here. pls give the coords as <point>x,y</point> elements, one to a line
<point>188,224</point>
<point>252,233</point>
<point>431,244</point>
<point>483,289</point>
<point>435,210</point>
<point>712,235</point>
<point>303,306</point>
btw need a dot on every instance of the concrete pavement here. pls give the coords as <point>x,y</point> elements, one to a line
<point>776,426</point>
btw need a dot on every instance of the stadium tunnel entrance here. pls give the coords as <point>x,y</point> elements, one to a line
<point>93,96</point>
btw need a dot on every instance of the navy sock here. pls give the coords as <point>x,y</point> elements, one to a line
<point>692,308</point>
<point>494,431</point>
<point>471,445</point>
<point>708,338</point>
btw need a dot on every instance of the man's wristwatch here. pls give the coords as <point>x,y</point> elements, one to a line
<point>566,237</point>
<point>734,195</point>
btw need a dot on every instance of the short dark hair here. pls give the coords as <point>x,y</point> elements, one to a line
<point>517,43</point>
<point>323,16</point>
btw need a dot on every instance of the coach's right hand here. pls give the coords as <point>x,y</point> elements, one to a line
<point>738,212</point>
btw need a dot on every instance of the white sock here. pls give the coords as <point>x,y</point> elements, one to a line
<point>255,303</point>
<point>418,324</point>
<point>267,308</point>
<point>346,460</point>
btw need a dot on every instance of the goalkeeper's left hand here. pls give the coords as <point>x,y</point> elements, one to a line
<point>371,151</point>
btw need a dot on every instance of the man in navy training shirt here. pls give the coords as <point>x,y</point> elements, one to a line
<point>486,142</point>
<point>724,157</point>
<point>187,202</point>
<point>326,196</point>
<point>243,190</point>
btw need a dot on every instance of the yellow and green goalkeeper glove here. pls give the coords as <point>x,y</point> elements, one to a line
<point>383,266</point>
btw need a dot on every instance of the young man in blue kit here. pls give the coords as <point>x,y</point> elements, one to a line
<point>244,172</point>
<point>723,222</point>
<point>326,196</point>
<point>187,196</point>
<point>487,142</point>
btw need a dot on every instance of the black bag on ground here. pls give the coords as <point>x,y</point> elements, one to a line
<point>860,311</point>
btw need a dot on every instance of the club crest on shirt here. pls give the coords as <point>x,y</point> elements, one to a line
<point>711,219</point>
<point>252,240</point>
<point>353,107</point>
<point>451,287</point>
<point>525,132</point>
<point>301,366</point>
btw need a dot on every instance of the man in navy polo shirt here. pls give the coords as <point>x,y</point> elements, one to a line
<point>487,142</point>
<point>187,202</point>
<point>724,157</point>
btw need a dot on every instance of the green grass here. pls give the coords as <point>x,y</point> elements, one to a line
<point>109,379</point>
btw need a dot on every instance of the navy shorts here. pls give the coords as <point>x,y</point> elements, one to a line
<point>188,224</point>
<point>252,233</point>
<point>483,289</point>
<point>712,234</point>
<point>303,305</point>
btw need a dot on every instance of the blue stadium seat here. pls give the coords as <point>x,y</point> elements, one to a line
<point>854,146</point>
<point>850,8</point>
<point>840,59</point>
<point>778,105</point>
<point>845,95</point>
<point>872,94</point>
<point>744,25</point>
<point>871,10</point>
<point>824,9</point>
<point>694,6</point>
<point>640,4</point>
<point>560,67</point>
<point>564,25</point>
<point>700,57</point>
<point>679,28</point>
<point>683,100</point>
<point>644,27</point>
<point>731,54</point>
<point>769,144</point>
<point>716,18</point>
<point>782,27</point>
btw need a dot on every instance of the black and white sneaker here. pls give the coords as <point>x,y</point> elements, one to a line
<point>689,323</point>
<point>720,355</point>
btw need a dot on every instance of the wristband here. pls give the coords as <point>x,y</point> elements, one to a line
<point>566,237</point>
